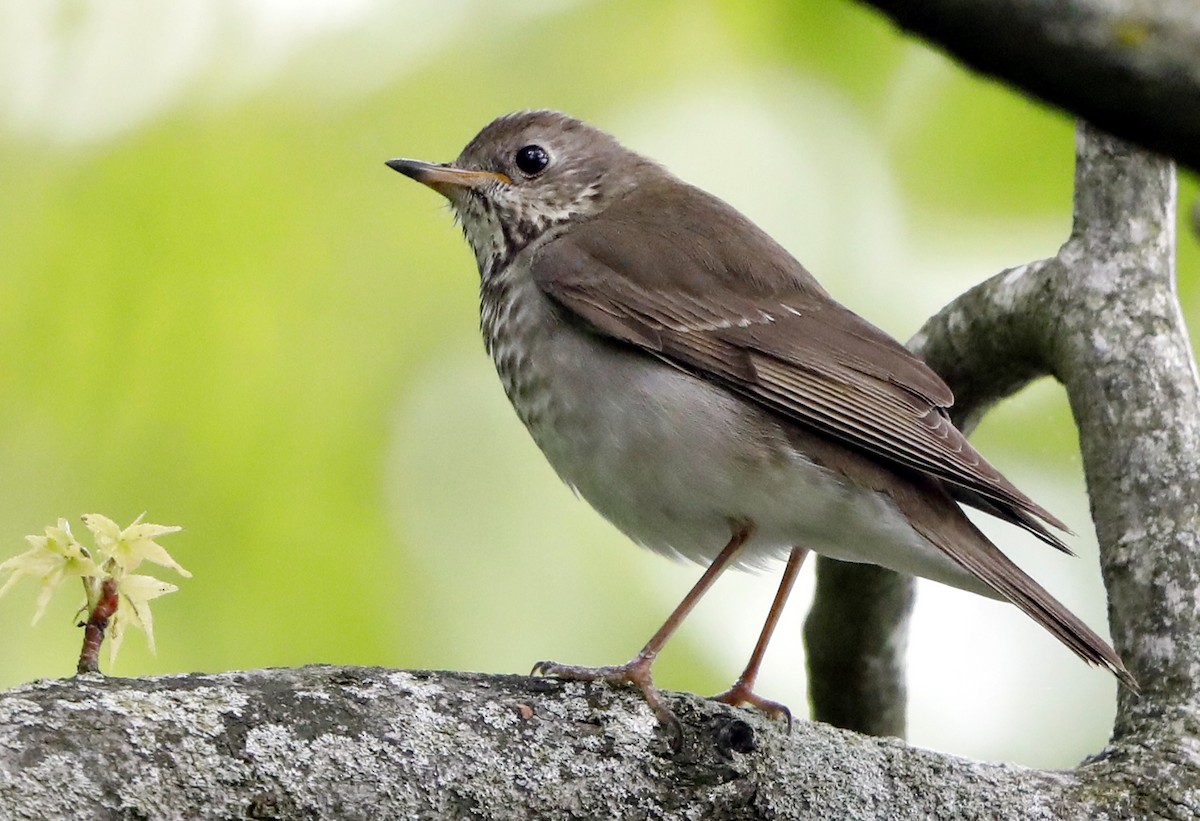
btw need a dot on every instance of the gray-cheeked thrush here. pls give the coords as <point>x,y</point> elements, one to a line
<point>694,383</point>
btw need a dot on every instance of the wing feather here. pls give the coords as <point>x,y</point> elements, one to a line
<point>788,346</point>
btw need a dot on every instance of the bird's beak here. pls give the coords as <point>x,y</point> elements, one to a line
<point>444,178</point>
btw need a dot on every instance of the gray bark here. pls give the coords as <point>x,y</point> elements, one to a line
<point>1132,68</point>
<point>339,742</point>
<point>1102,316</point>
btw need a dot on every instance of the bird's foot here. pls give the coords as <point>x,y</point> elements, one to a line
<point>635,672</point>
<point>742,693</point>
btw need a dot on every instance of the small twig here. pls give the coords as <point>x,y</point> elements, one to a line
<point>94,627</point>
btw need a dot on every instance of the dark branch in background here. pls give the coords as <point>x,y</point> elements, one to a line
<point>1132,69</point>
<point>856,634</point>
<point>855,638</point>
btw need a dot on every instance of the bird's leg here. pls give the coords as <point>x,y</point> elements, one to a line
<point>742,691</point>
<point>637,670</point>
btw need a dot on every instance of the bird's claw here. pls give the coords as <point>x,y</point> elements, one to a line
<point>741,695</point>
<point>635,672</point>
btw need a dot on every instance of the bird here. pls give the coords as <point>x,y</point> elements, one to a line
<point>696,385</point>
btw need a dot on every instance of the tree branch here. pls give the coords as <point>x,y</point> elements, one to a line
<point>1132,68</point>
<point>339,742</point>
<point>855,641</point>
<point>1103,317</point>
<point>855,635</point>
<point>1121,349</point>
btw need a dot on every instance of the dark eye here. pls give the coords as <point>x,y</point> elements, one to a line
<point>532,160</point>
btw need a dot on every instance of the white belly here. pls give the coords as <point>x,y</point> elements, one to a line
<point>676,463</point>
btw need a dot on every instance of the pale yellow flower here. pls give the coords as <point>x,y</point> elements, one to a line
<point>54,556</point>
<point>133,609</point>
<point>128,548</point>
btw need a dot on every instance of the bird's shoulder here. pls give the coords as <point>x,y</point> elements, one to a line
<point>679,237</point>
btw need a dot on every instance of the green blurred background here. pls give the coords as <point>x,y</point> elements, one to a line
<point>218,306</point>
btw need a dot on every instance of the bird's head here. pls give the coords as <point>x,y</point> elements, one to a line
<point>525,174</point>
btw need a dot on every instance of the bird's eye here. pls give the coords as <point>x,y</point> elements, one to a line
<point>532,160</point>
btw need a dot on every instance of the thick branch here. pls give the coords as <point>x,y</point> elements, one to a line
<point>1131,67</point>
<point>1103,317</point>
<point>336,742</point>
<point>1121,349</point>
<point>855,641</point>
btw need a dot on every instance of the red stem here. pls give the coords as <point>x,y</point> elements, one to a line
<point>97,623</point>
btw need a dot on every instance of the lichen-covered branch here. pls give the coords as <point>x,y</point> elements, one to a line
<point>985,343</point>
<point>1102,316</point>
<point>1121,349</point>
<point>1132,67</point>
<point>350,743</point>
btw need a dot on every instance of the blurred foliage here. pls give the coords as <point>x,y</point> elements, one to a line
<point>228,313</point>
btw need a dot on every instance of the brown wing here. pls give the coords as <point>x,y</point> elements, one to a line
<point>774,336</point>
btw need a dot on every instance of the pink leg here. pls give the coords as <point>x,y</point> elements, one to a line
<point>742,691</point>
<point>637,670</point>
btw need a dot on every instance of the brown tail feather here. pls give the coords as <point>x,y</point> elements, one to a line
<point>1026,516</point>
<point>947,527</point>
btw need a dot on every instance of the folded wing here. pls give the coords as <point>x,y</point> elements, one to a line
<point>774,336</point>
